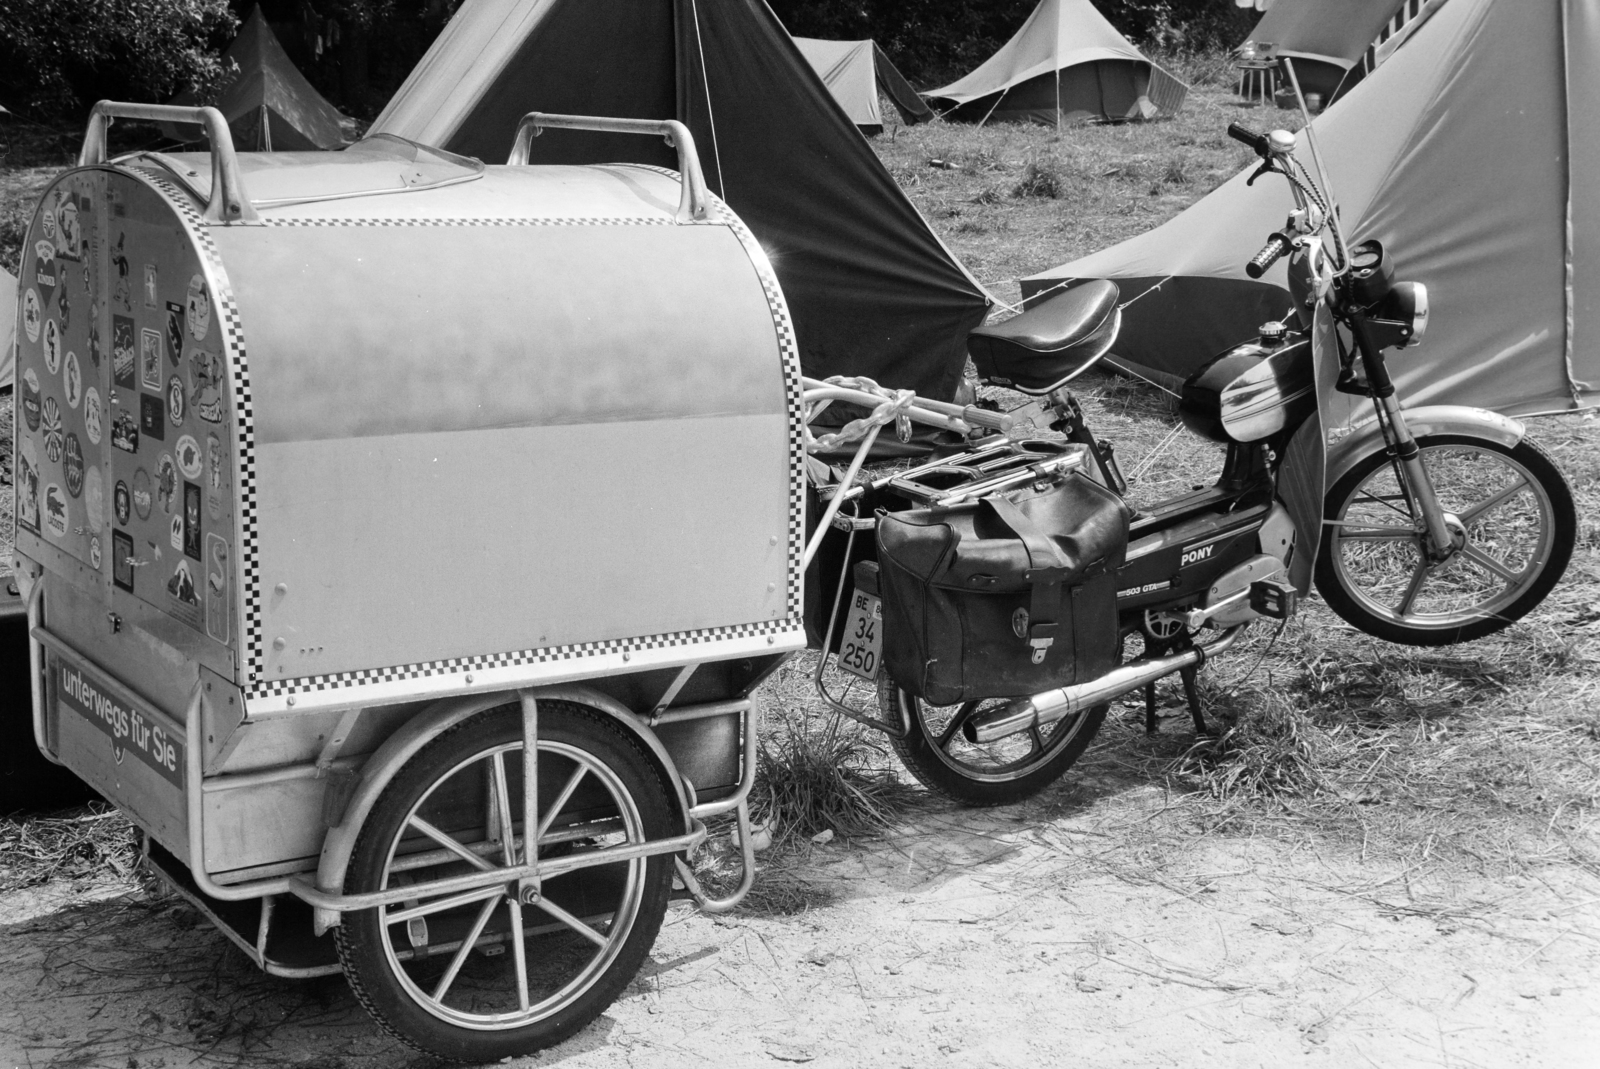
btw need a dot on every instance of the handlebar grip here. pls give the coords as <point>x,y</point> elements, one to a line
<point>1244,134</point>
<point>1276,246</point>
<point>974,416</point>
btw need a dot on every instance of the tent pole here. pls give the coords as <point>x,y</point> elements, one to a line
<point>1055,60</point>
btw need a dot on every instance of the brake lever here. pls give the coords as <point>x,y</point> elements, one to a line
<point>1265,168</point>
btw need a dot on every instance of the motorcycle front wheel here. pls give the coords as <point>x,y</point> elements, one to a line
<point>1514,523</point>
<point>1008,770</point>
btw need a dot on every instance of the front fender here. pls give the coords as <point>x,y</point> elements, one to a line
<point>1422,421</point>
<point>433,721</point>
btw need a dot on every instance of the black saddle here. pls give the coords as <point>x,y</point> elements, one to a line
<point>1051,343</point>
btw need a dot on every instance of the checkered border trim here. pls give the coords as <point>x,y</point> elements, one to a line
<point>259,687</point>
<point>571,220</point>
<point>548,655</point>
<point>247,570</point>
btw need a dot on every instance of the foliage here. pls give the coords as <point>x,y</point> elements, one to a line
<point>932,41</point>
<point>57,56</point>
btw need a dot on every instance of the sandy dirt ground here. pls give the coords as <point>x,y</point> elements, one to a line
<point>1087,928</point>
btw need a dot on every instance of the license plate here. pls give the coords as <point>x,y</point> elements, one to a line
<point>862,645</point>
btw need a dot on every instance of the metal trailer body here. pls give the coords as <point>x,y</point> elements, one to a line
<point>319,454</point>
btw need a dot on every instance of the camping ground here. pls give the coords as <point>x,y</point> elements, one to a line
<point>1391,860</point>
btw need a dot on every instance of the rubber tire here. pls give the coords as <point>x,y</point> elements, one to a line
<point>1564,515</point>
<point>918,752</point>
<point>359,936</point>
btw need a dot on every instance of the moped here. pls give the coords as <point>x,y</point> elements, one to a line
<point>1424,526</point>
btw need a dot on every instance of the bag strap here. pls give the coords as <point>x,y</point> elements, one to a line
<point>1046,569</point>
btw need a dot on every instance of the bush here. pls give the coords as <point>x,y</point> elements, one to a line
<point>59,56</point>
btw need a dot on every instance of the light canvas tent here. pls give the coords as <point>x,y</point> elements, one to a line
<point>269,104</point>
<point>1326,38</point>
<point>8,328</point>
<point>855,72</point>
<point>871,288</point>
<point>1066,64</point>
<point>1467,155</point>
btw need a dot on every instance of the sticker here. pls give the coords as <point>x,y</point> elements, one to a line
<point>97,345</point>
<point>72,380</point>
<point>31,314</point>
<point>45,270</point>
<point>175,532</point>
<point>152,417</point>
<point>166,483</point>
<point>150,358</point>
<point>122,559</point>
<point>67,224</point>
<point>174,331</point>
<point>143,493</point>
<point>47,223</point>
<point>93,414</point>
<point>120,262</point>
<point>55,511</point>
<point>94,499</point>
<point>191,520</point>
<point>181,585</point>
<point>52,346</point>
<point>94,553</point>
<point>65,304</point>
<point>205,385</point>
<point>121,502</point>
<point>74,466</point>
<point>52,430</point>
<point>216,476</point>
<point>175,405</point>
<point>124,359</point>
<point>217,587</point>
<point>190,459</point>
<point>27,488</point>
<point>30,398</point>
<point>198,309</point>
<point>1147,588</point>
<point>150,286</point>
<point>125,432</point>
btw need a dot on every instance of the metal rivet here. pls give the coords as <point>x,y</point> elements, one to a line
<point>772,541</point>
<point>771,587</point>
<point>469,677</point>
<point>627,656</point>
<point>291,699</point>
<point>281,588</point>
<point>278,643</point>
<point>770,640</point>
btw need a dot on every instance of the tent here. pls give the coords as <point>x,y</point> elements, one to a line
<point>1325,38</point>
<point>269,104</point>
<point>1066,63</point>
<point>871,288</point>
<point>855,72</point>
<point>1463,155</point>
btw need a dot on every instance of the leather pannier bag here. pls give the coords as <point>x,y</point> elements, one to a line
<point>1004,597</point>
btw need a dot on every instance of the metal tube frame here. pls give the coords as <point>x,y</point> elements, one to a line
<point>694,202</point>
<point>228,202</point>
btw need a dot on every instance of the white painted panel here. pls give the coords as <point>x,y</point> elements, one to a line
<point>401,549</point>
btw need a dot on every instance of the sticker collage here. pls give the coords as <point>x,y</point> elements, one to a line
<point>122,457</point>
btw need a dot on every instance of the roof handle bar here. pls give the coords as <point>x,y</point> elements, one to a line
<point>693,204</point>
<point>228,203</point>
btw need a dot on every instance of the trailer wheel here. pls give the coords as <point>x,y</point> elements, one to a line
<point>480,976</point>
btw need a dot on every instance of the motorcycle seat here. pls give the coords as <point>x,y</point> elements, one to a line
<point>1051,343</point>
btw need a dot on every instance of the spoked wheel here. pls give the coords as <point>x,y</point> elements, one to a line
<point>989,773</point>
<point>1514,523</point>
<point>480,975</point>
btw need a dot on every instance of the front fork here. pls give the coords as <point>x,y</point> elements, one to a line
<point>1407,455</point>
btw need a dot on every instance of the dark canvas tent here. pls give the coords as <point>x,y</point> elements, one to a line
<point>1326,38</point>
<point>1467,155</point>
<point>269,104</point>
<point>855,72</point>
<point>1066,64</point>
<point>871,288</point>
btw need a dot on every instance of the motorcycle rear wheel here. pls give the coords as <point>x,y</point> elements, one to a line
<point>1515,520</point>
<point>982,774</point>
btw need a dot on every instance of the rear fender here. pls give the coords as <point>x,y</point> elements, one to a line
<point>1424,420</point>
<point>387,761</point>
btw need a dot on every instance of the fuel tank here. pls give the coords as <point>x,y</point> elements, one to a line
<point>1251,392</point>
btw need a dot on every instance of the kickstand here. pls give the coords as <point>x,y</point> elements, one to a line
<point>1193,697</point>
<point>1150,708</point>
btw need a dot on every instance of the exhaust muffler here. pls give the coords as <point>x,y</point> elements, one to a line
<point>1046,708</point>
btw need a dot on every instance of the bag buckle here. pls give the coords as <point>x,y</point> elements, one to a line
<point>1041,637</point>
